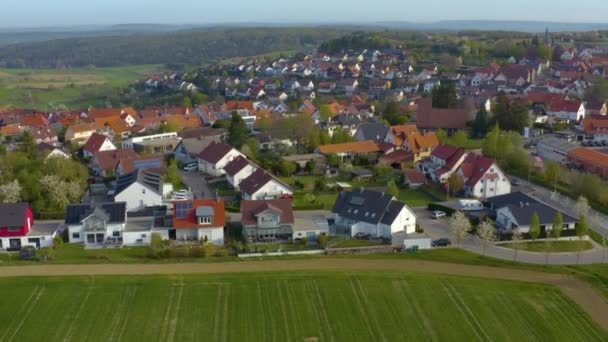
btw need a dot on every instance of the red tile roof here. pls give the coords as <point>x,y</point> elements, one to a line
<point>214,152</point>
<point>250,210</point>
<point>366,146</point>
<point>191,221</point>
<point>475,167</point>
<point>415,177</point>
<point>428,117</point>
<point>108,160</point>
<point>94,143</point>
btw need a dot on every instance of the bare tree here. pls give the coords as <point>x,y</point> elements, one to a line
<point>516,237</point>
<point>582,206</point>
<point>487,233</point>
<point>460,226</point>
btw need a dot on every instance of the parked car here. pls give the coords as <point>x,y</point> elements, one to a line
<point>443,242</point>
<point>191,167</point>
<point>437,214</point>
<point>515,182</point>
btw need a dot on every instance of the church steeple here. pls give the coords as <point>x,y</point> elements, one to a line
<point>547,37</point>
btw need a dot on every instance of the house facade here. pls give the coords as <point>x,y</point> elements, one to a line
<point>483,178</point>
<point>139,189</point>
<point>237,170</point>
<point>262,185</point>
<point>215,157</point>
<point>17,228</point>
<point>96,225</point>
<point>267,220</point>
<point>200,220</point>
<point>444,160</point>
<point>369,212</point>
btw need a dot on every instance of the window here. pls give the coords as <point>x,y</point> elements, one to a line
<point>143,191</point>
<point>14,229</point>
<point>116,233</point>
<point>143,236</point>
<point>205,220</point>
<point>76,236</point>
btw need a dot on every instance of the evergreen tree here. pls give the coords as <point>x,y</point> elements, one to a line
<point>445,95</point>
<point>480,125</point>
<point>237,131</point>
<point>534,231</point>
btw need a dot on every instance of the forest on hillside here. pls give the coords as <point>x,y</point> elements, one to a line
<point>188,47</point>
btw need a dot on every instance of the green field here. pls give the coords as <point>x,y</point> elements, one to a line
<point>307,306</point>
<point>75,88</point>
<point>551,246</point>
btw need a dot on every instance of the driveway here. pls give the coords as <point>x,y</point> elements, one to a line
<point>197,184</point>
<point>440,229</point>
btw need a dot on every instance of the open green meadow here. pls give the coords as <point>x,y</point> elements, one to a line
<point>75,88</point>
<point>302,306</point>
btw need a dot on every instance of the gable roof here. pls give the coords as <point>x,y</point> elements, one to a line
<point>94,142</point>
<point>428,117</point>
<point>523,213</point>
<point>444,151</point>
<point>514,198</point>
<point>107,160</point>
<point>375,131</point>
<point>190,221</point>
<point>257,180</point>
<point>215,152</point>
<point>116,212</point>
<point>250,210</point>
<point>594,157</point>
<point>475,166</point>
<point>13,214</point>
<point>367,206</point>
<point>236,165</point>
<point>400,132</point>
<point>149,179</point>
<point>418,141</point>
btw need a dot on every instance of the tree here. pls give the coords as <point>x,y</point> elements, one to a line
<point>460,139</point>
<point>487,233</point>
<point>460,226</point>
<point>558,225</point>
<point>534,231</point>
<point>287,168</point>
<point>582,229</point>
<point>598,92</point>
<point>516,237</point>
<point>322,240</point>
<point>311,166</point>
<point>10,192</point>
<point>511,116</point>
<point>29,146</point>
<point>172,175</point>
<point>169,127</point>
<point>325,112</point>
<point>187,102</point>
<point>480,125</point>
<point>237,131</point>
<point>333,160</point>
<point>582,206</point>
<point>392,188</point>
<point>455,183</point>
<point>56,190</point>
<point>552,171</point>
<point>392,114</point>
<point>445,95</point>
<point>253,147</point>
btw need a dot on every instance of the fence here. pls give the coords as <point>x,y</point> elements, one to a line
<point>257,255</point>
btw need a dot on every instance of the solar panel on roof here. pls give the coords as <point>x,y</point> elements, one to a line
<point>147,164</point>
<point>181,209</point>
<point>356,200</point>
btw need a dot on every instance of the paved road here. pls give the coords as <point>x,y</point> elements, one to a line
<point>579,291</point>
<point>439,229</point>
<point>197,184</point>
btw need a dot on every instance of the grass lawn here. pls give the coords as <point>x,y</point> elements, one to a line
<point>324,201</point>
<point>415,198</point>
<point>303,306</point>
<point>357,243</point>
<point>75,88</point>
<point>551,246</point>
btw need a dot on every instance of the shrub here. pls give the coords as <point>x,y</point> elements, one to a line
<point>322,240</point>
<point>197,252</point>
<point>57,242</point>
<point>178,252</point>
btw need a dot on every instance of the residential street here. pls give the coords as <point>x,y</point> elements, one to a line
<point>197,184</point>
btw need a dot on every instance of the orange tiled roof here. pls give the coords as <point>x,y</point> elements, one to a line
<point>190,221</point>
<point>365,146</point>
<point>401,132</point>
<point>419,141</point>
<point>590,156</point>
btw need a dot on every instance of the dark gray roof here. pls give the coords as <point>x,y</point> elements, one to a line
<point>367,206</point>
<point>236,165</point>
<point>546,214</point>
<point>375,131</point>
<point>116,212</point>
<point>346,119</point>
<point>12,214</point>
<point>362,173</point>
<point>151,180</point>
<point>514,198</point>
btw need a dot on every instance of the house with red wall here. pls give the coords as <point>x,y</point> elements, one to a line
<point>17,228</point>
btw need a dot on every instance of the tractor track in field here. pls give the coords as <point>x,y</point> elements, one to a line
<point>579,291</point>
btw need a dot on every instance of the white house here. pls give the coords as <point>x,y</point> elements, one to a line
<point>139,189</point>
<point>567,110</point>
<point>482,177</point>
<point>130,143</point>
<point>215,157</point>
<point>201,219</point>
<point>237,170</point>
<point>444,160</point>
<point>262,185</point>
<point>369,212</point>
<point>97,143</point>
<point>519,216</point>
<point>100,225</point>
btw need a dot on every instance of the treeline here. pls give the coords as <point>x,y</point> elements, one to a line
<point>355,41</point>
<point>189,47</point>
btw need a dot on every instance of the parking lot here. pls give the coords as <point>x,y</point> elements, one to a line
<point>195,181</point>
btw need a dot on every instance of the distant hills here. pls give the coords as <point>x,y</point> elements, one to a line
<point>522,26</point>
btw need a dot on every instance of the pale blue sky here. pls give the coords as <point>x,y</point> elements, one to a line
<point>33,13</point>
